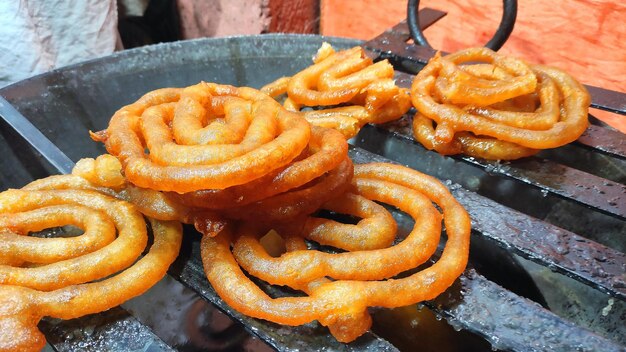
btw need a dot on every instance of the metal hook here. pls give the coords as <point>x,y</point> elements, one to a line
<point>509,14</point>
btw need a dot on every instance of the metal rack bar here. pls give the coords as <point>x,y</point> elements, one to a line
<point>35,138</point>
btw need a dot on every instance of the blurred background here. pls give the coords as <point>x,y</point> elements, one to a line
<point>584,37</point>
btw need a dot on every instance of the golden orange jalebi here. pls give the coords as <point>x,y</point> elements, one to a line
<point>349,78</point>
<point>495,107</point>
<point>342,303</point>
<point>206,136</point>
<point>220,152</point>
<point>74,276</point>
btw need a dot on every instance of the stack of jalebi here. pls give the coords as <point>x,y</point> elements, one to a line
<point>213,151</point>
<point>237,165</point>
<point>345,89</point>
<point>68,277</point>
<point>496,107</point>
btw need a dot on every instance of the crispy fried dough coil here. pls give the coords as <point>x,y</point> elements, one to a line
<point>372,264</point>
<point>365,90</point>
<point>500,109</point>
<point>73,276</point>
<point>104,260</point>
<point>220,136</point>
<point>349,296</point>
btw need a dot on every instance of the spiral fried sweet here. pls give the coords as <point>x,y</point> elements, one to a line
<point>346,90</point>
<point>497,107</point>
<point>360,275</point>
<point>208,152</point>
<point>206,136</point>
<point>68,277</point>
